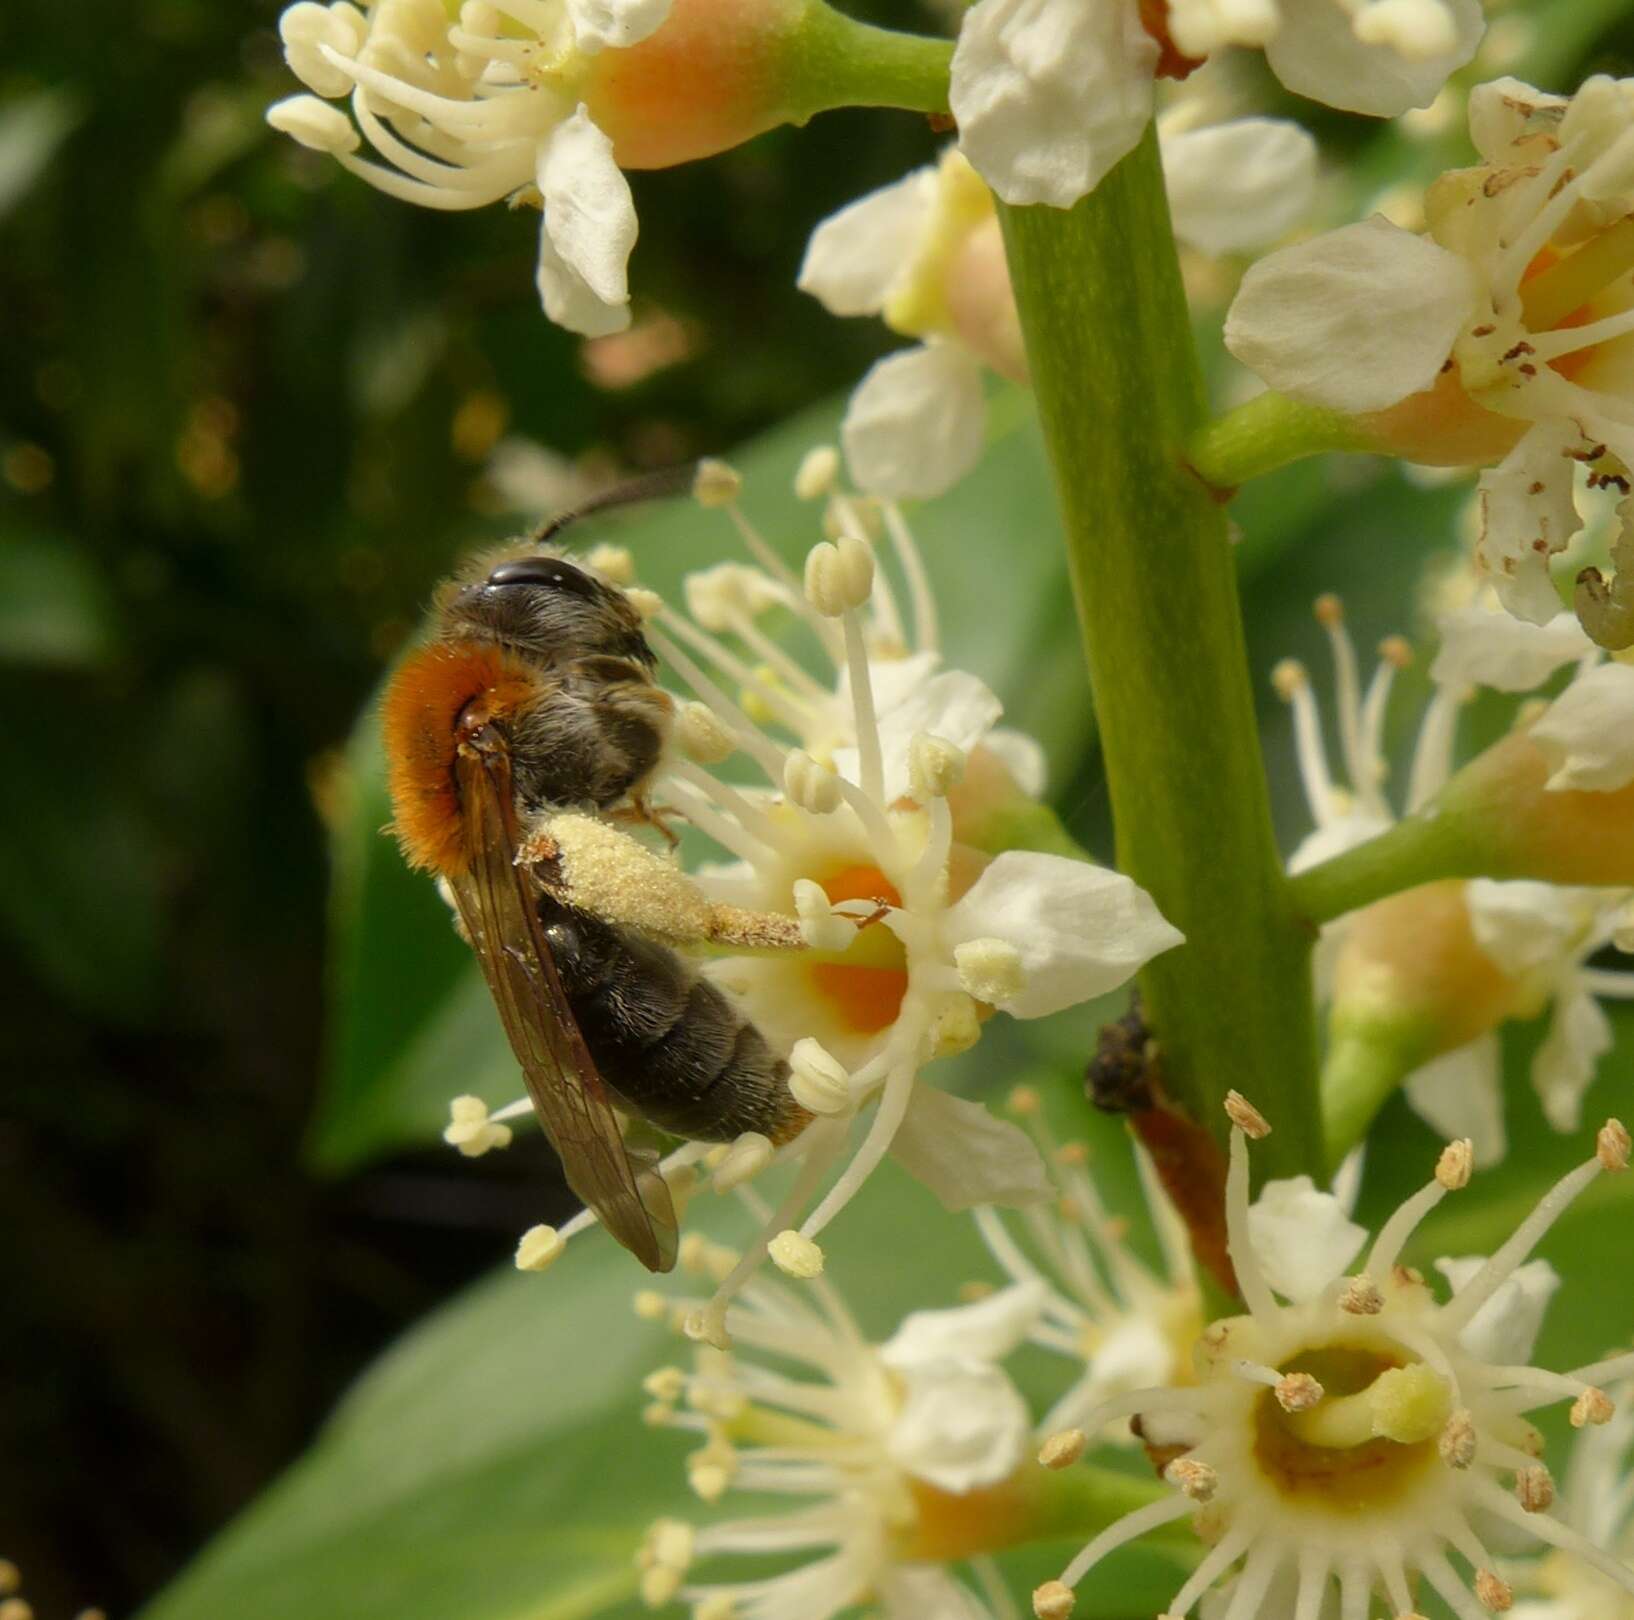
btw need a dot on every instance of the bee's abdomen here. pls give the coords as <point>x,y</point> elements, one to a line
<point>669,1043</point>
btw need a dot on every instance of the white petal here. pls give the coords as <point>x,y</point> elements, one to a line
<point>615,22</point>
<point>1527,515</point>
<point>1080,929</point>
<point>986,1331</point>
<point>962,1425</point>
<point>1049,95</point>
<point>966,1155</point>
<point>1023,758</point>
<point>1506,1327</point>
<point>1239,185</point>
<point>1579,1036</point>
<point>926,1592</point>
<point>1531,929</point>
<point>1461,1094</point>
<point>568,300</point>
<point>1316,53</point>
<point>855,256</point>
<point>1355,319</point>
<point>1587,733</point>
<point>1335,837</point>
<point>589,213</point>
<point>1501,112</point>
<point>917,422</point>
<point>1302,1238</point>
<point>954,705</point>
<point>1483,648</point>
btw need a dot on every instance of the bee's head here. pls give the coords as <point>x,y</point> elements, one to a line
<point>547,608</point>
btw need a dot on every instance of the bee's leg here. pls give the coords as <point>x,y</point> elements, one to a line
<point>644,813</point>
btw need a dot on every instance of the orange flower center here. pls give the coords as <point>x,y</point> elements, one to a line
<point>868,982</point>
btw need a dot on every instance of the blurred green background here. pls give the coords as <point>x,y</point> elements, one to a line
<point>250,411</point>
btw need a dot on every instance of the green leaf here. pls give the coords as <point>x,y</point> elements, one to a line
<point>54,608</point>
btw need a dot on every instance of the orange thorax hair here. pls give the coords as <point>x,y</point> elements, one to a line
<point>427,697</point>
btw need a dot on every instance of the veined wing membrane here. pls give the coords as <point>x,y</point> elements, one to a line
<point>621,1184</point>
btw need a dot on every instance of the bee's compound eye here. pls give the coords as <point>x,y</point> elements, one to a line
<point>550,572</point>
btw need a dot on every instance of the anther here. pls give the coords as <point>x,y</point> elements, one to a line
<point>471,1131</point>
<point>665,1384</point>
<point>935,767</point>
<point>814,788</point>
<point>990,970</point>
<point>1456,1164</point>
<point>716,483</point>
<point>745,1159</point>
<point>1288,679</point>
<point>1612,1145</point>
<point>1495,1593</point>
<point>647,604</point>
<point>817,472</point>
<point>819,927</point>
<point>1193,1479</point>
<point>650,1305</point>
<point>1063,1448</point>
<point>817,1079</point>
<point>1534,1488</point>
<point>1053,1601</point>
<point>615,564</point>
<point>839,575</point>
<point>1360,1296</point>
<point>795,1255</point>
<point>1024,1101</point>
<point>1456,1444</point>
<point>1298,1392</point>
<point>541,1247</point>
<point>716,1607</point>
<point>1328,610</point>
<point>1592,1406</point>
<point>1246,1117</point>
<point>703,739</point>
<point>314,124</point>
<point>1396,650</point>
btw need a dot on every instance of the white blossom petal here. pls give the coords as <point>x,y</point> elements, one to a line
<point>1023,758</point>
<point>1500,112</point>
<point>1587,733</point>
<point>1316,53</point>
<point>1579,1036</point>
<point>1528,514</point>
<point>927,1592</point>
<point>966,1155</point>
<point>568,299</point>
<point>1310,318</point>
<point>1506,1327</point>
<point>597,23</point>
<point>985,1331</point>
<point>1239,185</point>
<point>1080,929</point>
<point>1460,1094</point>
<point>962,1424</point>
<point>917,422</point>
<point>1338,835</point>
<point>589,212</point>
<point>1528,928</point>
<point>1050,96</point>
<point>1483,648</point>
<point>1302,1238</point>
<point>855,256</point>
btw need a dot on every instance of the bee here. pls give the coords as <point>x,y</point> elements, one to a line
<point>535,694</point>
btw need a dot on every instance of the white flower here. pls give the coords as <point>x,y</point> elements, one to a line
<point>466,110</point>
<point>1353,1442</point>
<point>869,1439</point>
<point>1596,1502</point>
<point>1050,94</point>
<point>1540,936</point>
<point>1518,293</point>
<point>1587,733</point>
<point>1120,1322</point>
<point>925,254</point>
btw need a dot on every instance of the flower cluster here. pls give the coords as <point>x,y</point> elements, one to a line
<point>1465,955</point>
<point>1352,1434</point>
<point>1501,335</point>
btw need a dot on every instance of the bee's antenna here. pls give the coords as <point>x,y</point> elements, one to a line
<point>664,484</point>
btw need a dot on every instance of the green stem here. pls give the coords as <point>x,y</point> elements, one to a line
<point>1270,431</point>
<point>836,61</point>
<point>1119,393</point>
<point>1421,849</point>
<point>1361,1071</point>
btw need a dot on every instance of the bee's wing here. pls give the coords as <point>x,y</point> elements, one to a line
<point>622,1184</point>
